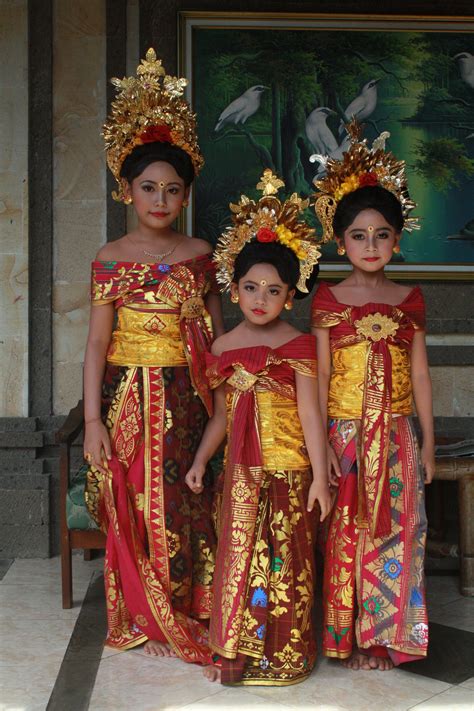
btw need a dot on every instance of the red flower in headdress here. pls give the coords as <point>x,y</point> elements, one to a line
<point>160,134</point>
<point>368,180</point>
<point>265,234</point>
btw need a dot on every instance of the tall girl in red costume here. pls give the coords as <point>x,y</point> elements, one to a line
<point>154,298</point>
<point>371,364</point>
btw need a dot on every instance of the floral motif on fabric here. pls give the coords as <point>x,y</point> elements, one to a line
<point>420,633</point>
<point>376,327</point>
<point>396,486</point>
<point>392,568</point>
<point>372,605</point>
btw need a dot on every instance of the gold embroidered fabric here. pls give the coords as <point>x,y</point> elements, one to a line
<point>346,389</point>
<point>147,338</point>
<point>281,434</point>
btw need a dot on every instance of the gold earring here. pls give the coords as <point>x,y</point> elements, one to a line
<point>288,305</point>
<point>341,251</point>
<point>396,249</point>
<point>185,203</point>
<point>128,200</point>
<point>234,298</point>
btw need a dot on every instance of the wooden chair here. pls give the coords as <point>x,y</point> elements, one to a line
<point>71,539</point>
<point>461,469</point>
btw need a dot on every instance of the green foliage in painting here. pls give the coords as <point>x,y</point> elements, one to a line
<point>443,162</point>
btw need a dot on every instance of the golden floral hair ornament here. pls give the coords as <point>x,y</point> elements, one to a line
<point>359,167</point>
<point>267,220</point>
<point>149,108</point>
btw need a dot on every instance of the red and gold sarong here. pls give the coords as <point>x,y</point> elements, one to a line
<point>263,587</point>
<point>374,588</point>
<point>160,540</point>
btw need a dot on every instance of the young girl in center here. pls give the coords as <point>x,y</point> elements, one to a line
<point>371,364</point>
<point>265,399</point>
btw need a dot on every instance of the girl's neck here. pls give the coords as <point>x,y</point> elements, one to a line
<point>145,235</point>
<point>368,280</point>
<point>255,329</point>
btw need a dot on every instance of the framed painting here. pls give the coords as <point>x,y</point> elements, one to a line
<point>271,90</point>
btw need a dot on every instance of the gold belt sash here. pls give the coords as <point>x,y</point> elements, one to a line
<point>148,337</point>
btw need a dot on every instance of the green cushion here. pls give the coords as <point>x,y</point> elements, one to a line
<point>77,514</point>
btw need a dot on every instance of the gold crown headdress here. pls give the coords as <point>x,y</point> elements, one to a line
<point>361,166</point>
<point>149,108</point>
<point>267,220</point>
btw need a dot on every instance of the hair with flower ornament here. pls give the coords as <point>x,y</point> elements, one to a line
<point>361,167</point>
<point>268,220</point>
<point>149,108</point>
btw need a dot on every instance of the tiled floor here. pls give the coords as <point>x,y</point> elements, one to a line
<point>35,634</point>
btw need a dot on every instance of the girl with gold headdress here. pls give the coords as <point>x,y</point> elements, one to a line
<point>371,364</point>
<point>153,295</point>
<point>264,376</point>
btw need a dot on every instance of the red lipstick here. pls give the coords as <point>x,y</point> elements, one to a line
<point>258,312</point>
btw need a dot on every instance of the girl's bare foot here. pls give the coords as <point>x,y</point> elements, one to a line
<point>158,649</point>
<point>383,664</point>
<point>358,661</point>
<point>212,673</point>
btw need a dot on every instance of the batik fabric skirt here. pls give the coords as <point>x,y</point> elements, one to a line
<point>374,595</point>
<point>276,643</point>
<point>160,538</point>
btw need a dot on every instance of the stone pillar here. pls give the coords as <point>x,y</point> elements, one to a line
<point>14,208</point>
<point>79,90</point>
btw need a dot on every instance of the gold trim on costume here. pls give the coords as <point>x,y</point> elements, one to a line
<point>376,327</point>
<point>346,388</point>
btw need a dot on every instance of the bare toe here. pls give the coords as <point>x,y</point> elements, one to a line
<point>351,662</point>
<point>385,664</point>
<point>358,661</point>
<point>365,663</point>
<point>156,649</point>
<point>374,662</point>
<point>212,673</point>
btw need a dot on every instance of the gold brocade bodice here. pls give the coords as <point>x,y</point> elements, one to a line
<point>281,434</point>
<point>370,351</point>
<point>159,308</point>
<point>263,426</point>
<point>346,388</point>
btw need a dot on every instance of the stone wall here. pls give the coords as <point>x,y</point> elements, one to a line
<point>79,106</point>
<point>14,208</point>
